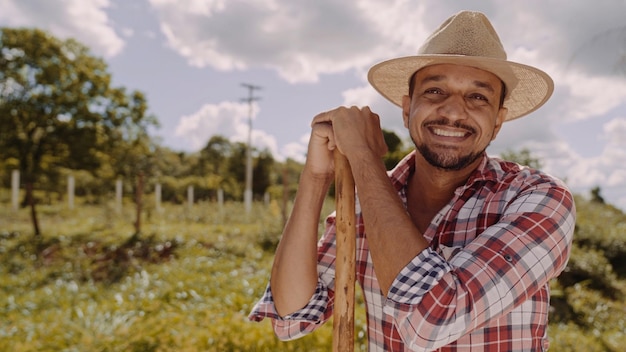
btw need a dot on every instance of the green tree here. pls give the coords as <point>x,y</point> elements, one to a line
<point>236,169</point>
<point>214,155</point>
<point>596,196</point>
<point>213,165</point>
<point>262,173</point>
<point>58,109</point>
<point>396,150</point>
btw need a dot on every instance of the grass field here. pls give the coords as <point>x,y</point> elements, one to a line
<point>186,283</point>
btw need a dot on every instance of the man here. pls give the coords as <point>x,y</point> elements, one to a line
<point>455,250</point>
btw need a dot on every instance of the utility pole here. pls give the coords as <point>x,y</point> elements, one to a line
<point>247,195</point>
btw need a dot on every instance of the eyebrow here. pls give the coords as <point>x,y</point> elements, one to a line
<point>432,78</point>
<point>485,85</point>
<point>439,78</point>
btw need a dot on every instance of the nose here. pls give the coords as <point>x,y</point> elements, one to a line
<point>453,108</point>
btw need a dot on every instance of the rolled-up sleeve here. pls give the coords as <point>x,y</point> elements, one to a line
<point>319,309</point>
<point>435,300</point>
<point>299,323</point>
<point>417,278</point>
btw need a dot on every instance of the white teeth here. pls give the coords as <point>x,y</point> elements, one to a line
<point>446,133</point>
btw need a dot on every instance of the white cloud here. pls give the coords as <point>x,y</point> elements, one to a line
<point>579,36</point>
<point>617,178</point>
<point>589,96</point>
<point>606,170</point>
<point>84,20</point>
<point>360,96</point>
<point>615,132</point>
<point>296,150</point>
<point>303,39</point>
<point>299,39</point>
<point>228,119</point>
<point>127,32</point>
<point>614,161</point>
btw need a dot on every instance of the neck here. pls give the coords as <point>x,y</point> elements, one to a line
<point>436,186</point>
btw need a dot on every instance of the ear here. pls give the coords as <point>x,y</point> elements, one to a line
<point>406,109</point>
<point>500,117</point>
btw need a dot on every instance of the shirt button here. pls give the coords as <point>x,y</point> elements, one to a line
<point>508,258</point>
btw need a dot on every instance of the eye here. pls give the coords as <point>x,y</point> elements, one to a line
<point>477,96</point>
<point>433,91</point>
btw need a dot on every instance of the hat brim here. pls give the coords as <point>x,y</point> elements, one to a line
<point>528,88</point>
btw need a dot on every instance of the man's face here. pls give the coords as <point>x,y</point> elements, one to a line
<point>453,114</point>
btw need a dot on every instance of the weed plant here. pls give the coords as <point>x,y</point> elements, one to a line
<point>188,281</point>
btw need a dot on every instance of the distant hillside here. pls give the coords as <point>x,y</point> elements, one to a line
<point>588,309</point>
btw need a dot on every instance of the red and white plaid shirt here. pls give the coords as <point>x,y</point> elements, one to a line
<point>482,285</point>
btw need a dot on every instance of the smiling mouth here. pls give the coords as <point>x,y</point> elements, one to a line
<point>446,133</point>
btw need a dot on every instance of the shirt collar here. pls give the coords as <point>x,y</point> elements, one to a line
<point>487,170</point>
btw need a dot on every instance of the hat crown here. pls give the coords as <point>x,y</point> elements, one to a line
<point>467,33</point>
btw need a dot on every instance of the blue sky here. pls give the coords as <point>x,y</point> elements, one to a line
<point>190,58</point>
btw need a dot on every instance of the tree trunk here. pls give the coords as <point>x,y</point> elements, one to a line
<point>138,202</point>
<point>30,198</point>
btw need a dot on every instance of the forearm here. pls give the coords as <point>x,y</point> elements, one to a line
<point>294,272</point>
<point>392,237</point>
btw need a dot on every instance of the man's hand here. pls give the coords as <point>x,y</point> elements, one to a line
<point>319,159</point>
<point>352,130</point>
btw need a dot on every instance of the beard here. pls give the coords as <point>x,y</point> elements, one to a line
<point>447,161</point>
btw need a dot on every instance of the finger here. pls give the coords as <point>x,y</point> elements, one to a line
<point>331,142</point>
<point>324,117</point>
<point>324,131</point>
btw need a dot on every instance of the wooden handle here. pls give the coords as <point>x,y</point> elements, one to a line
<point>345,264</point>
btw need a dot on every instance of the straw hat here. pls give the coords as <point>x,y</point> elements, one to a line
<point>469,39</point>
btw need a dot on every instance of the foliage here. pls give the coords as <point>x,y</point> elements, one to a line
<point>262,173</point>
<point>194,298</point>
<point>287,177</point>
<point>522,157</point>
<point>396,149</point>
<point>588,305</point>
<point>602,227</point>
<point>219,165</point>
<point>188,284</point>
<point>595,195</point>
<point>58,109</point>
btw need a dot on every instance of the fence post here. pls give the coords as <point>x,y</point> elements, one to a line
<point>157,198</point>
<point>220,197</point>
<point>70,192</point>
<point>190,197</point>
<point>118,196</point>
<point>15,189</point>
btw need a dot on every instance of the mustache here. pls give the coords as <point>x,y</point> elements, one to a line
<point>446,122</point>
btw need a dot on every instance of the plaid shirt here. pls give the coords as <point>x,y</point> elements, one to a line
<point>482,285</point>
